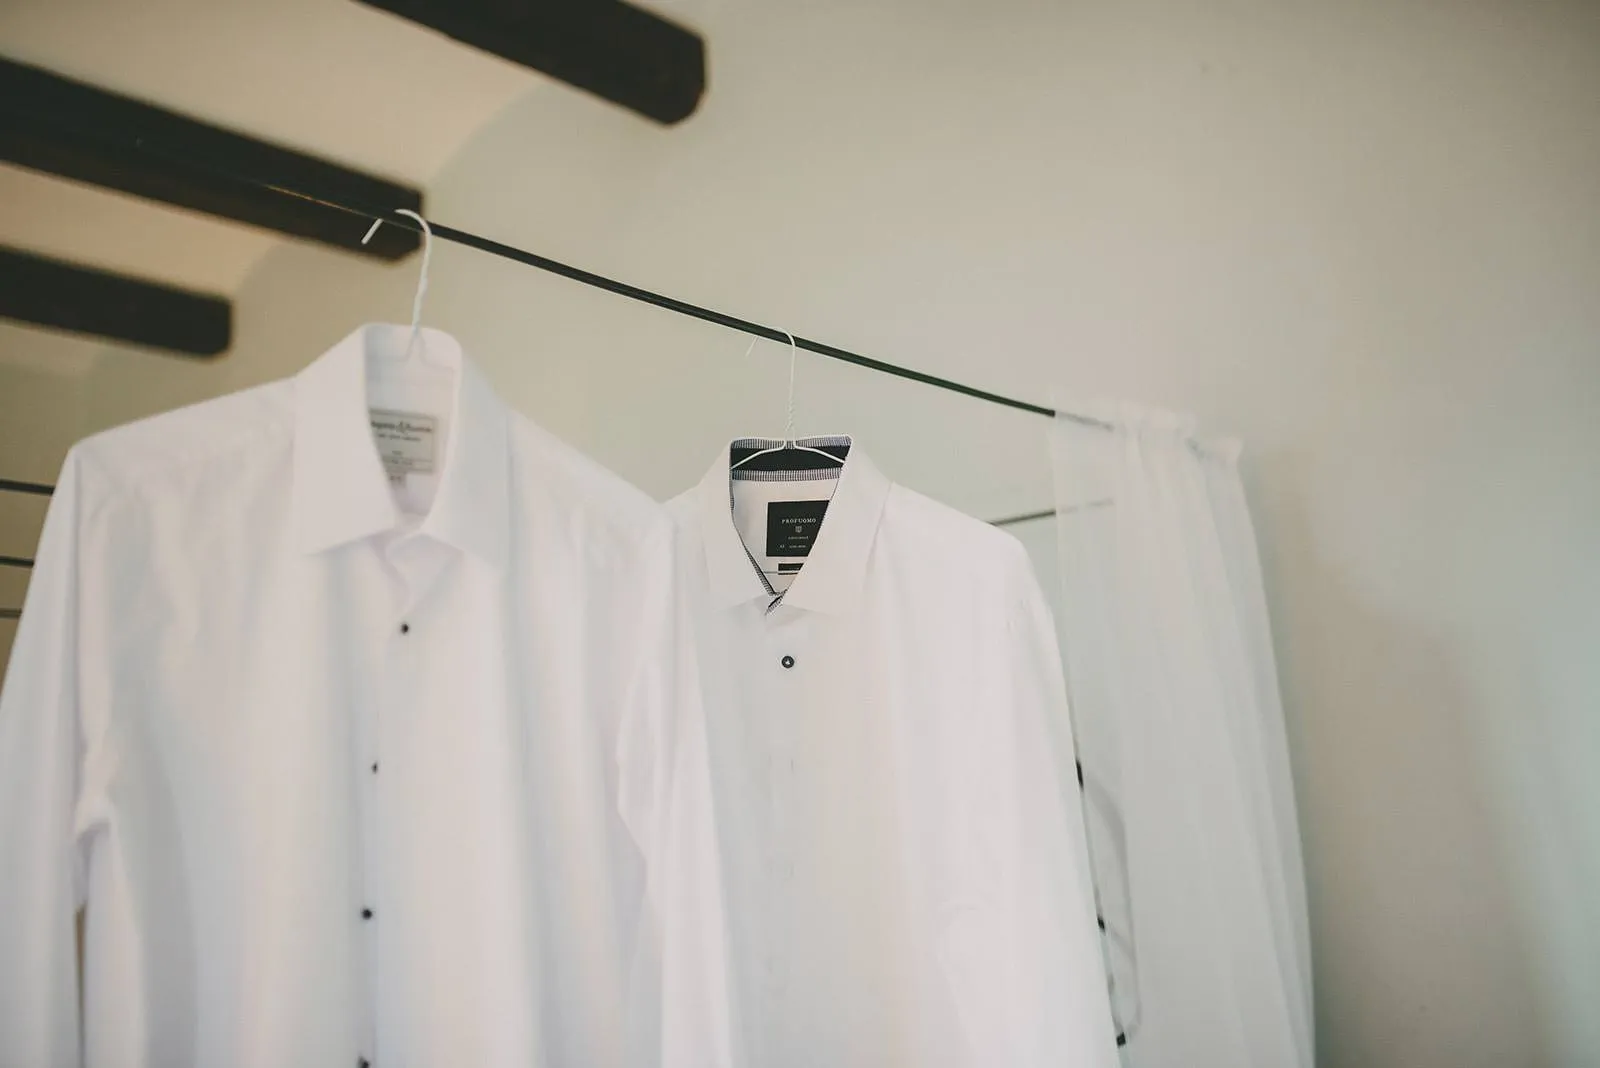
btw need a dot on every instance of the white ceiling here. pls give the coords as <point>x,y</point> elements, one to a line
<point>332,77</point>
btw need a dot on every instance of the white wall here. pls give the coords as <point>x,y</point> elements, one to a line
<point>1363,237</point>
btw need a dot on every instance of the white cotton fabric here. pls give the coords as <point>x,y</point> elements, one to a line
<point>906,872</point>
<point>1180,729</point>
<point>255,692</point>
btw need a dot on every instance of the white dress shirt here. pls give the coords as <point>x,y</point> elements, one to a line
<point>355,759</point>
<point>907,876</point>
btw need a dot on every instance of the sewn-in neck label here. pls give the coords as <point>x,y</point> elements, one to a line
<point>407,442</point>
<point>792,527</point>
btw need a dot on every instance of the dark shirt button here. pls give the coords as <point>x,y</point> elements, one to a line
<point>363,1063</point>
<point>405,628</point>
<point>366,914</point>
<point>788,661</point>
<point>374,769</point>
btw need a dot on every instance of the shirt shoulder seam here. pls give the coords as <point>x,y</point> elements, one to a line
<point>112,489</point>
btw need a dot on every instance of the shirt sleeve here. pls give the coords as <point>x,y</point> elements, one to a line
<point>1046,1001</point>
<point>41,848</point>
<point>681,975</point>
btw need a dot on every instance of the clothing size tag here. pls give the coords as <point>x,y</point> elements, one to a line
<point>406,442</point>
<point>792,526</point>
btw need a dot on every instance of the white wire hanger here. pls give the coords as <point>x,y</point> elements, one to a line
<point>422,278</point>
<point>789,443</point>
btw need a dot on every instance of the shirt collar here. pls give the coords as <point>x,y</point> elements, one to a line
<point>835,573</point>
<point>340,490</point>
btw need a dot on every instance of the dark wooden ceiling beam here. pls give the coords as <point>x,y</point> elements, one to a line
<point>59,126</point>
<point>614,50</point>
<point>46,292</point>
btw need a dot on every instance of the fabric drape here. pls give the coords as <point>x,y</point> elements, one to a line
<point>1180,733</point>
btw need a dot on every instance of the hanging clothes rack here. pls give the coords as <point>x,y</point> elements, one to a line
<point>623,289</point>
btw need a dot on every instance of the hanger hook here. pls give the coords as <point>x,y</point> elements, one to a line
<point>788,426</point>
<point>789,442</point>
<point>422,280</point>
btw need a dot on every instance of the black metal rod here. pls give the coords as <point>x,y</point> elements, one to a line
<point>695,311</point>
<point>15,561</point>
<point>11,485</point>
<point>10,613</point>
<point>1026,517</point>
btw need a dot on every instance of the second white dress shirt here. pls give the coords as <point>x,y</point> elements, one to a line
<point>907,876</point>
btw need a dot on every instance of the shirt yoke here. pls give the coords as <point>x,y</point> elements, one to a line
<point>551,475</point>
<point>952,542</point>
<point>140,455</point>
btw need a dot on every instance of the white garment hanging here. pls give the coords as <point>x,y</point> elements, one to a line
<point>355,759</point>
<point>907,877</point>
<point>1181,731</point>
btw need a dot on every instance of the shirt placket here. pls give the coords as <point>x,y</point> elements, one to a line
<point>395,691</point>
<point>781,665</point>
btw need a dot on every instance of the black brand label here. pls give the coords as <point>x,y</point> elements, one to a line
<point>792,526</point>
